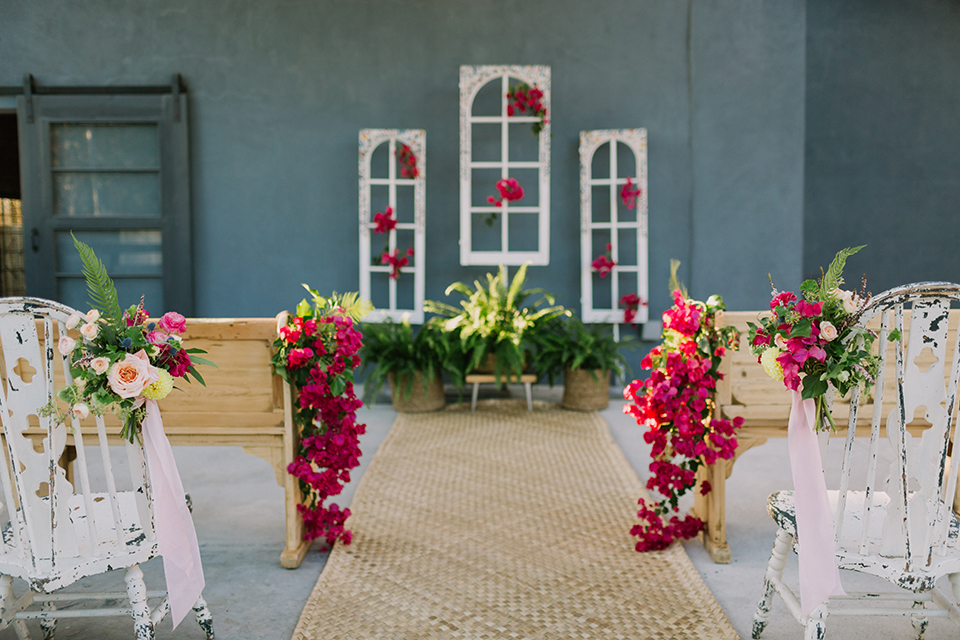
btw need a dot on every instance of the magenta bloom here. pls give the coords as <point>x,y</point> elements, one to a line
<point>603,265</point>
<point>385,221</point>
<point>782,300</point>
<point>807,310</point>
<point>629,195</point>
<point>299,357</point>
<point>173,322</point>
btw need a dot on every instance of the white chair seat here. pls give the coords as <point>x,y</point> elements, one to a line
<point>781,508</point>
<point>110,554</point>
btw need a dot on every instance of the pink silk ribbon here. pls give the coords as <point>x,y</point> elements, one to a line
<point>819,574</point>
<point>176,536</point>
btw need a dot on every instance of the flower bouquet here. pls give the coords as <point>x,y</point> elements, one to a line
<point>121,358</point>
<point>814,342</point>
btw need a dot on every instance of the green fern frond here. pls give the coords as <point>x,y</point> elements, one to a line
<point>103,293</point>
<point>674,282</point>
<point>832,279</point>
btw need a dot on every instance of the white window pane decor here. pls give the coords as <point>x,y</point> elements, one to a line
<point>505,165</point>
<point>613,224</point>
<point>392,221</point>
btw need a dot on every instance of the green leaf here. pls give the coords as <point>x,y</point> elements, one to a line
<point>199,360</point>
<point>833,277</point>
<point>809,286</point>
<point>813,386</point>
<point>801,329</point>
<point>103,293</point>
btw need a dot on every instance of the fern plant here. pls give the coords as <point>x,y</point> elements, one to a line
<point>499,318</point>
<point>571,344</point>
<point>393,348</point>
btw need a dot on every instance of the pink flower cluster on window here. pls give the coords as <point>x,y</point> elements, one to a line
<point>408,162</point>
<point>509,190</point>
<point>674,405</point>
<point>318,354</point>
<point>522,98</point>
<point>632,302</point>
<point>629,195</point>
<point>385,221</point>
<point>603,264</point>
<point>396,261</point>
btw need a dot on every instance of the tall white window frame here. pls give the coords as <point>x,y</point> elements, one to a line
<point>370,141</point>
<point>590,143</point>
<point>472,80</point>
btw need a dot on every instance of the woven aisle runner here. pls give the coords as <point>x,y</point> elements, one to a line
<point>503,524</point>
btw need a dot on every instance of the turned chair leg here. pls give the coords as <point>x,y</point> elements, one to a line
<point>816,625</point>
<point>7,602</point>
<point>137,592</point>
<point>919,620</point>
<point>778,560</point>
<point>48,625</point>
<point>204,617</point>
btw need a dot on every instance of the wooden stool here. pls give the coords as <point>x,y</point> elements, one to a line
<point>476,379</point>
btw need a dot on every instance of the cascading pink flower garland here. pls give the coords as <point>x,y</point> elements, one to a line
<point>675,404</point>
<point>317,355</point>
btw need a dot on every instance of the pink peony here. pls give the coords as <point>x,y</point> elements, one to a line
<point>128,377</point>
<point>100,365</point>
<point>89,331</point>
<point>173,322</point>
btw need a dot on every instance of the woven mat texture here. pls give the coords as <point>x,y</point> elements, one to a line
<point>503,524</point>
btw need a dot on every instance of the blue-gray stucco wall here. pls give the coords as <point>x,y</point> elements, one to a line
<point>280,89</point>
<point>883,139</point>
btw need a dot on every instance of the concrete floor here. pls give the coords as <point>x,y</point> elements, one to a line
<point>238,511</point>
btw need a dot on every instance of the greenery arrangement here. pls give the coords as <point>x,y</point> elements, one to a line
<point>121,361</point>
<point>500,319</point>
<point>569,343</point>
<point>393,347</point>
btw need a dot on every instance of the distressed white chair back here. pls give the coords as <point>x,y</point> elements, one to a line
<point>55,532</point>
<point>901,511</point>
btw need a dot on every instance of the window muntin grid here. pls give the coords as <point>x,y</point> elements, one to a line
<point>370,141</point>
<point>631,261</point>
<point>472,80</point>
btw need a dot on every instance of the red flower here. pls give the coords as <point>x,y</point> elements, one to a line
<point>632,302</point>
<point>629,195</point>
<point>509,189</point>
<point>385,221</point>
<point>408,162</point>
<point>396,261</point>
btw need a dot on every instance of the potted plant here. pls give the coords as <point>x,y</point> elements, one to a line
<point>497,323</point>
<point>411,363</point>
<point>587,355</point>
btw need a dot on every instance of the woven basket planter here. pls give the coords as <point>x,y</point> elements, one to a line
<point>417,402</point>
<point>582,393</point>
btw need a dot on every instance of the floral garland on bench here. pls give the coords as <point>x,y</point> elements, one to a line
<point>317,353</point>
<point>675,404</point>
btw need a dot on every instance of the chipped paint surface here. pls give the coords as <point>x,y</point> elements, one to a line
<point>53,531</point>
<point>898,524</point>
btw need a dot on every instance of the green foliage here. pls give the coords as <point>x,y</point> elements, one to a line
<point>347,304</point>
<point>570,344</point>
<point>103,293</point>
<point>833,278</point>
<point>500,318</point>
<point>392,347</point>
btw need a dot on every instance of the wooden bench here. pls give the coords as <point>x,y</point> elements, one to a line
<point>746,391</point>
<point>244,404</point>
<point>476,379</point>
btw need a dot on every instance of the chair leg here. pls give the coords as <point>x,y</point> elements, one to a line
<point>816,626</point>
<point>778,560</point>
<point>7,600</point>
<point>204,617</point>
<point>955,586</point>
<point>48,625</point>
<point>137,592</point>
<point>473,398</point>
<point>919,620</point>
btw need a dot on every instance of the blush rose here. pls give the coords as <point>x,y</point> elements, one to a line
<point>128,377</point>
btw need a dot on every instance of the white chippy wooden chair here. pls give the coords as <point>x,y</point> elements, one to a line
<point>55,533</point>
<point>898,524</point>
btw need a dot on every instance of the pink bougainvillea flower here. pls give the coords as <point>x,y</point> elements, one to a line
<point>603,265</point>
<point>408,162</point>
<point>629,195</point>
<point>396,261</point>
<point>385,221</point>
<point>632,302</point>
<point>509,190</point>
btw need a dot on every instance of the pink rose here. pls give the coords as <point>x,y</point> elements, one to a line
<point>128,377</point>
<point>80,410</point>
<point>157,337</point>
<point>89,331</point>
<point>92,316</point>
<point>100,365</point>
<point>173,322</point>
<point>66,345</point>
<point>73,320</point>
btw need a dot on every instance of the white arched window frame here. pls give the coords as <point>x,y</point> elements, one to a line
<point>370,141</point>
<point>472,80</point>
<point>612,225</point>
